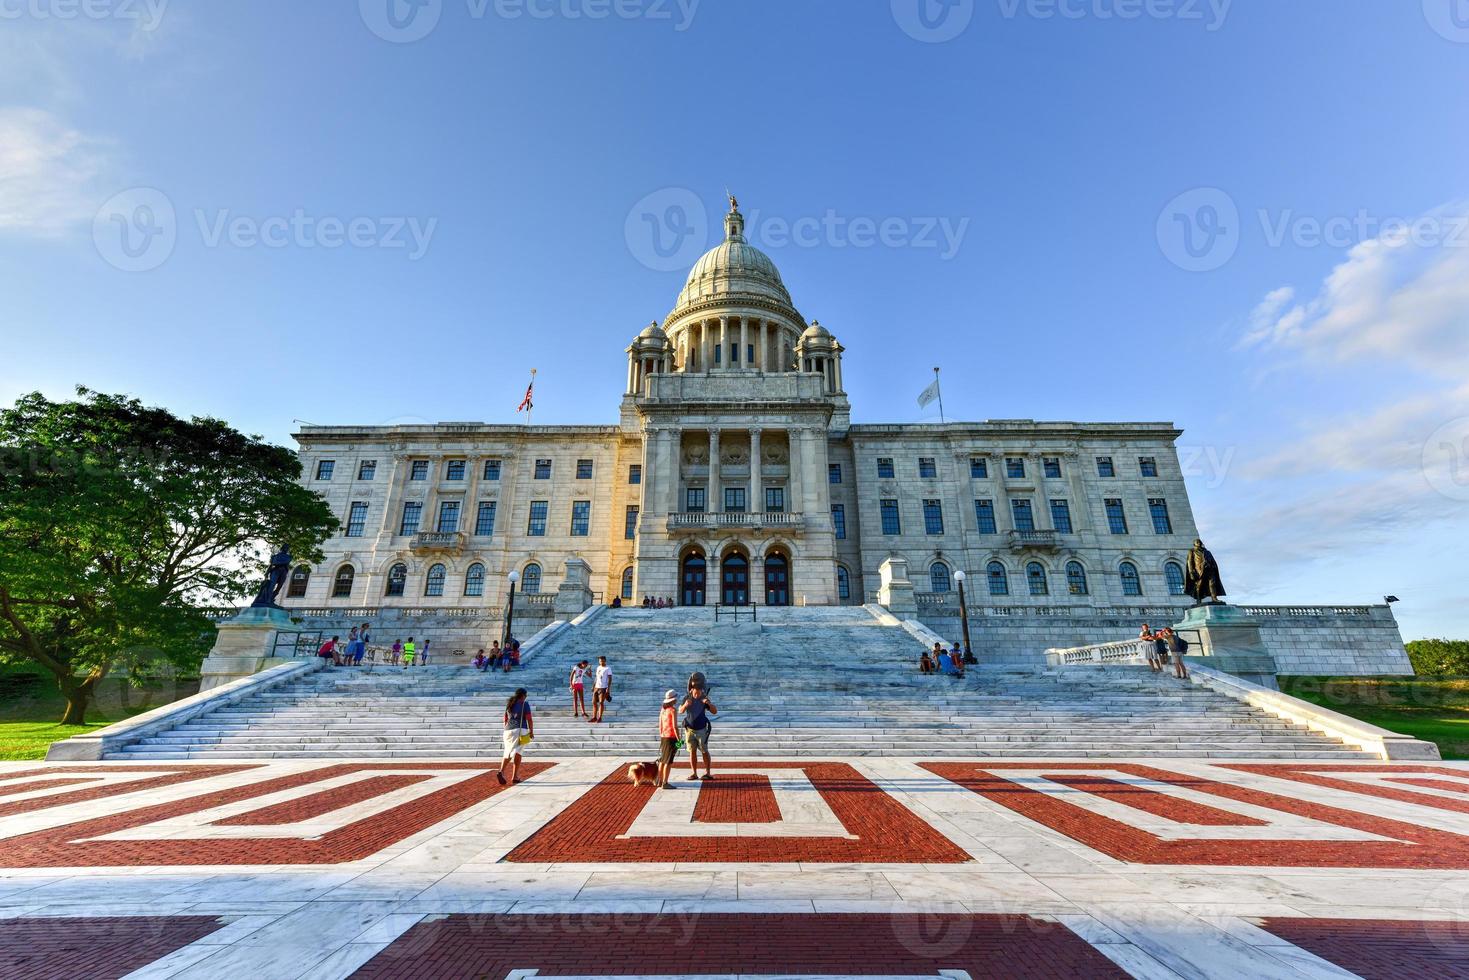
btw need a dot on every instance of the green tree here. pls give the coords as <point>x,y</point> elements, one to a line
<point>118,521</point>
<point>1440,657</point>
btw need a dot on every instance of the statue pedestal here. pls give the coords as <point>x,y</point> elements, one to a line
<point>896,590</point>
<point>574,596</point>
<point>244,646</point>
<point>1228,639</point>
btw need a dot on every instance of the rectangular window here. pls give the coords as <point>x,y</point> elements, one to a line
<point>324,468</point>
<point>734,500</point>
<point>718,353</point>
<point>448,516</point>
<point>885,468</point>
<point>492,470</point>
<point>419,470</point>
<point>890,522</point>
<point>484,521</point>
<point>1014,468</point>
<point>635,474</point>
<point>1116,516</point>
<point>984,516</point>
<point>543,469</point>
<point>839,521</point>
<point>367,469</point>
<point>694,500</point>
<point>1105,467</point>
<point>454,470</point>
<point>1147,465</point>
<point>1023,513</point>
<point>834,473</point>
<point>537,526</point>
<point>933,517</point>
<point>357,519</point>
<point>412,517</point>
<point>630,529</point>
<point>1158,510</point>
<point>927,468</point>
<point>1061,516</point>
<point>749,353</point>
<point>979,468</point>
<point>583,469</point>
<point>1052,467</point>
<point>581,518</point>
<point>775,500</point>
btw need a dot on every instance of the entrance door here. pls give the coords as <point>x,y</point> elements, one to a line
<point>777,580</point>
<point>694,571</point>
<point>736,577</point>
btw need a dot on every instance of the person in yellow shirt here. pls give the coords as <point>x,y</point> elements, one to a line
<point>410,649</point>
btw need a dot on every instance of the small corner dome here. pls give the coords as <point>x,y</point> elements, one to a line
<point>653,332</point>
<point>816,332</point>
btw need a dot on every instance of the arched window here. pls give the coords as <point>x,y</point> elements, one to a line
<point>530,579</point>
<point>434,584</point>
<point>1173,571</point>
<point>844,583</point>
<point>474,580</point>
<point>1076,578</point>
<point>397,580</point>
<point>1131,584</point>
<point>342,584</point>
<point>627,583</point>
<point>300,578</point>
<point>938,577</point>
<point>1035,579</point>
<point>999,579</point>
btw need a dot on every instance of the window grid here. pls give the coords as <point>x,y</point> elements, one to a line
<point>1076,578</point>
<point>300,579</point>
<point>543,469</point>
<point>583,469</point>
<point>536,528</point>
<point>1035,579</point>
<point>999,579</point>
<point>734,500</point>
<point>694,500</point>
<point>325,468</point>
<point>1052,467</point>
<point>938,577</point>
<point>979,468</point>
<point>775,500</point>
<point>357,519</point>
<point>1158,510</point>
<point>635,474</point>
<point>1023,513</point>
<point>433,583</point>
<point>492,470</point>
<point>581,518</point>
<point>412,518</point>
<point>839,521</point>
<point>448,517</point>
<point>397,580</point>
<point>1131,583</point>
<point>933,518</point>
<point>630,527</point>
<point>418,470</point>
<point>884,468</point>
<point>834,473</point>
<point>890,522</point>
<point>984,517</point>
<point>530,581</point>
<point>484,521</point>
<point>342,584</point>
<point>927,468</point>
<point>474,581</point>
<point>1061,516</point>
<point>1173,572</point>
<point>1116,516</point>
<point>1147,465</point>
<point>367,470</point>
<point>1105,467</point>
<point>1015,468</point>
<point>454,470</point>
<point>844,583</point>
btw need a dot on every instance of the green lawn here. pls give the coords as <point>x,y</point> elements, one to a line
<point>30,706</point>
<point>1435,709</point>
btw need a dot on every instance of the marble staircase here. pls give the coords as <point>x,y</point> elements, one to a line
<point>827,682</point>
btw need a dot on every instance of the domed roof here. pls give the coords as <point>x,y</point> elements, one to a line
<point>816,332</point>
<point>653,332</point>
<point>733,267</point>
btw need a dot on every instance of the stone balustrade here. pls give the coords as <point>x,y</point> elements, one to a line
<point>1121,652</point>
<point>716,521</point>
<point>438,541</point>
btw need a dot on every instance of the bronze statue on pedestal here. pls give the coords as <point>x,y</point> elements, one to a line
<point>1202,580</point>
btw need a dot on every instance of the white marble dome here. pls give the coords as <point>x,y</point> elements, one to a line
<point>734,267</point>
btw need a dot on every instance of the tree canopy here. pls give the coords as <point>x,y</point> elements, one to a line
<point>118,521</point>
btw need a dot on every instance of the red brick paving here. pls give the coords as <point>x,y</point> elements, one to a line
<point>172,775</point>
<point>470,947</point>
<point>71,846</point>
<point>1442,784</point>
<point>1154,802</point>
<point>887,831</point>
<point>737,798</point>
<point>15,789</point>
<point>93,948</point>
<point>1382,949</point>
<point>1306,773</point>
<point>306,807</point>
<point>1411,846</point>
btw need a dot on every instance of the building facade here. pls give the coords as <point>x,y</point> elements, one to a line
<point>734,476</point>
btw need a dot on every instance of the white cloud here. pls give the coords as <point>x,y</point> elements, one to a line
<point>48,172</point>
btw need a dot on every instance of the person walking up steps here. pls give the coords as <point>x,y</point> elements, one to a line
<point>667,738</point>
<point>578,697</point>
<point>601,691</point>
<point>520,728</point>
<point>410,650</point>
<point>696,709</point>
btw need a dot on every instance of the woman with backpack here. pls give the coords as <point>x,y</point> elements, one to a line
<point>519,729</point>
<point>1177,647</point>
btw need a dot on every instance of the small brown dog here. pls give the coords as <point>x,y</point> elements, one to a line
<point>639,772</point>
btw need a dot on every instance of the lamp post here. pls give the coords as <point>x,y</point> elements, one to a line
<point>512,578</point>
<point>959,577</point>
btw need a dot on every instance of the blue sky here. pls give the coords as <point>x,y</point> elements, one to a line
<point>1246,217</point>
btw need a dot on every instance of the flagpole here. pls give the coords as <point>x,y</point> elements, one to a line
<point>531,408</point>
<point>939,388</point>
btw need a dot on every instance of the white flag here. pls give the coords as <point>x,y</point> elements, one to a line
<point>929,394</point>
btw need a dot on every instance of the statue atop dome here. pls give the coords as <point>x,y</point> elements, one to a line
<point>734,202</point>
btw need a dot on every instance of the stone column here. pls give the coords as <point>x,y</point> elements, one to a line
<point>794,484</point>
<point>840,386</point>
<point>745,342</point>
<point>756,483</point>
<point>706,355</point>
<point>712,504</point>
<point>668,497</point>
<point>631,385</point>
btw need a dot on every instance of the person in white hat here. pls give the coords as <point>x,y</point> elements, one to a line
<point>667,738</point>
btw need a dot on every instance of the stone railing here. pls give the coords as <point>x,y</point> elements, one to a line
<point>1034,539</point>
<point>438,541</point>
<point>684,521</point>
<point>1307,612</point>
<point>934,599</point>
<point>1122,652</point>
<point>368,613</point>
<point>535,599</point>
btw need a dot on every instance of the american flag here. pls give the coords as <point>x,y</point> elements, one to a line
<point>525,403</point>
